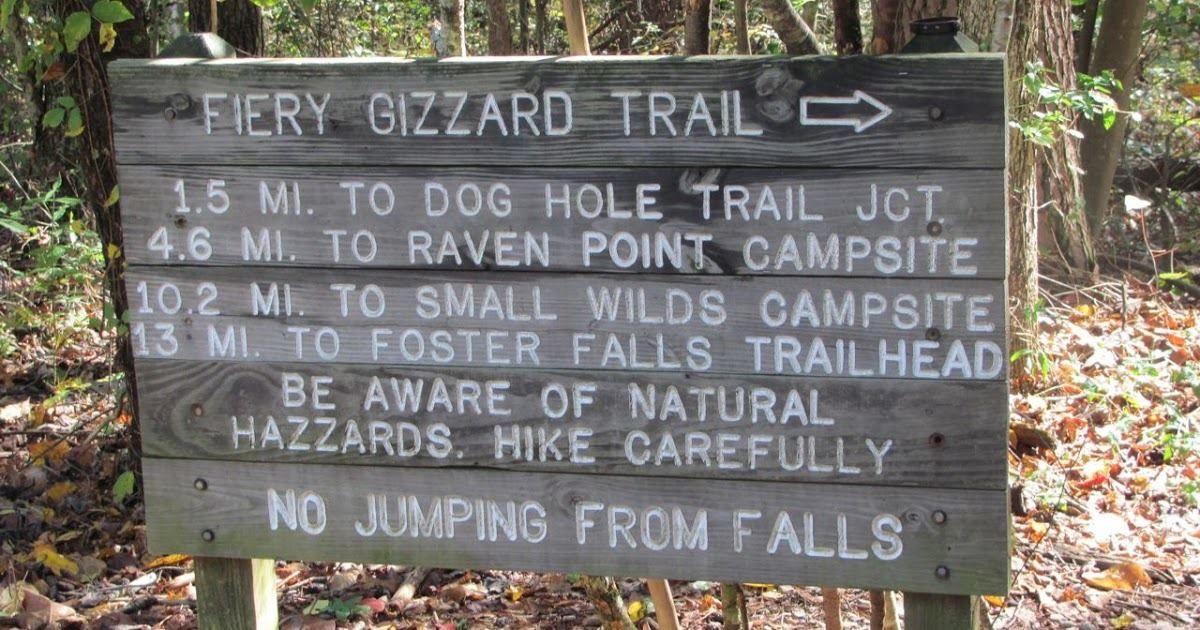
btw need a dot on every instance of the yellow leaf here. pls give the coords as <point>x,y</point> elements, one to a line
<point>1124,621</point>
<point>113,196</point>
<point>637,610</point>
<point>765,587</point>
<point>52,451</point>
<point>1037,530</point>
<point>73,132</point>
<point>60,491</point>
<point>515,593</point>
<point>167,560</point>
<point>108,36</point>
<point>37,415</point>
<point>1087,310</point>
<point>50,558</point>
<point>996,601</point>
<point>114,251</point>
<point>1120,577</point>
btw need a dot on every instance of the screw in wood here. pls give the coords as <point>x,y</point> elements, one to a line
<point>939,517</point>
<point>197,410</point>
<point>942,572</point>
<point>936,113</point>
<point>936,439</point>
<point>934,228</point>
<point>933,334</point>
<point>208,535</point>
<point>169,113</point>
<point>180,221</point>
<point>201,484</point>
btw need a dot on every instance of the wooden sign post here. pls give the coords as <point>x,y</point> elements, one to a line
<point>717,318</point>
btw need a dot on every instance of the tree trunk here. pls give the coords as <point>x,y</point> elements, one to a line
<point>733,607</point>
<point>523,26</point>
<point>917,9</point>
<point>1117,49</point>
<point>883,26</point>
<point>540,19</point>
<point>499,28</point>
<point>1040,180</point>
<point>606,597</point>
<point>697,15</point>
<point>575,15</point>
<point>741,27</point>
<point>792,29</point>
<point>454,27</point>
<point>87,81</point>
<point>239,22</point>
<point>1086,36</point>
<point>847,28</point>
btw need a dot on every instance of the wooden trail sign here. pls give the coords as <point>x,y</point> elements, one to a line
<point>713,318</point>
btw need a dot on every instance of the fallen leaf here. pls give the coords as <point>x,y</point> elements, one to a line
<point>636,611</point>
<point>1125,576</point>
<point>52,451</point>
<point>708,602</point>
<point>91,567</point>
<point>45,553</point>
<point>60,491</point>
<point>15,411</point>
<point>514,593</point>
<point>45,610</point>
<point>375,604</point>
<point>995,601</point>
<point>171,559</point>
<point>11,597</point>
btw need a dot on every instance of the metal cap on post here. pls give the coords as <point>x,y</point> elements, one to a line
<point>199,46</point>
<point>939,35</point>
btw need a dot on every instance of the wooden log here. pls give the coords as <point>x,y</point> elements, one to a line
<point>940,612</point>
<point>402,209</point>
<point>854,112</point>
<point>924,433</point>
<point>236,594</point>
<point>590,524</point>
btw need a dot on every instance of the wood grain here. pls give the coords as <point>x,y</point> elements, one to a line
<point>971,540</point>
<point>947,111</point>
<point>566,297</point>
<point>970,204</point>
<point>188,410</point>
<point>236,593</point>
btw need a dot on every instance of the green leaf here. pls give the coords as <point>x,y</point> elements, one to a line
<point>74,122</point>
<point>6,11</point>
<point>111,11</point>
<point>53,117</point>
<point>77,27</point>
<point>66,101</point>
<point>114,196</point>
<point>308,5</point>
<point>123,487</point>
<point>1110,118</point>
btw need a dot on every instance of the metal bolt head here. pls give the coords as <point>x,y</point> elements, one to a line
<point>936,113</point>
<point>197,410</point>
<point>936,439</point>
<point>939,517</point>
<point>934,228</point>
<point>933,334</point>
<point>201,484</point>
<point>180,221</point>
<point>942,572</point>
<point>208,535</point>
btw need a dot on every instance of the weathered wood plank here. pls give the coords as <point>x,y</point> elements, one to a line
<point>236,594</point>
<point>929,611</point>
<point>931,213</point>
<point>949,329</point>
<point>941,111</point>
<point>921,433</point>
<point>893,537</point>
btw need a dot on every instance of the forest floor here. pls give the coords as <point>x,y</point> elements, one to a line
<point>1104,458</point>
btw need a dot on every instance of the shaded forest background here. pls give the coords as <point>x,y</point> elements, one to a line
<point>1104,216</point>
